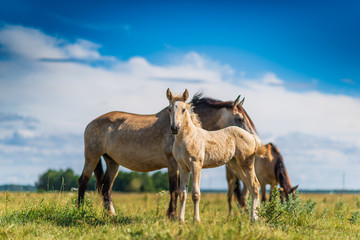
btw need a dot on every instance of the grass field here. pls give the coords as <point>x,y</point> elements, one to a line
<point>142,216</point>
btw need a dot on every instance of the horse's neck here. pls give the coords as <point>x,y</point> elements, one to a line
<point>282,175</point>
<point>209,118</point>
<point>188,128</point>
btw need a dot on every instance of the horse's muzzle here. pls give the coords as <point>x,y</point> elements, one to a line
<point>174,129</point>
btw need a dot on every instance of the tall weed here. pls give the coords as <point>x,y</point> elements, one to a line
<point>293,212</point>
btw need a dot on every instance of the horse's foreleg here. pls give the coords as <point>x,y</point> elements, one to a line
<point>112,170</point>
<point>231,178</point>
<point>263,192</point>
<point>89,167</point>
<point>184,185</point>
<point>173,187</point>
<point>195,192</point>
<point>244,196</point>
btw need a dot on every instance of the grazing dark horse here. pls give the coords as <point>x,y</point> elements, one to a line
<point>144,143</point>
<point>269,169</point>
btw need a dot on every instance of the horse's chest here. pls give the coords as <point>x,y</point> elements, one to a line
<point>186,150</point>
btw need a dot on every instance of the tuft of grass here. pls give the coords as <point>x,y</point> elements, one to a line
<point>291,213</point>
<point>355,217</point>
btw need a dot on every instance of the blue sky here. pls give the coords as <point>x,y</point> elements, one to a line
<point>303,57</point>
<point>311,42</point>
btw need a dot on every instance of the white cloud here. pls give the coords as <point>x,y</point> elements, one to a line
<point>34,44</point>
<point>271,79</point>
<point>63,96</point>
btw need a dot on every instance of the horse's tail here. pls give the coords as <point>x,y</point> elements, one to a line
<point>99,175</point>
<point>260,149</point>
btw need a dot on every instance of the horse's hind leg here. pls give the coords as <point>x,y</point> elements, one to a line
<point>91,162</point>
<point>112,170</point>
<point>173,187</point>
<point>99,175</point>
<point>246,171</point>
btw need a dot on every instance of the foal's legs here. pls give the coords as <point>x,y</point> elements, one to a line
<point>195,191</point>
<point>112,170</point>
<point>173,186</point>
<point>184,186</point>
<point>247,174</point>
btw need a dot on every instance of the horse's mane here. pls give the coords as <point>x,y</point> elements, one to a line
<point>199,101</point>
<point>194,117</point>
<point>280,171</point>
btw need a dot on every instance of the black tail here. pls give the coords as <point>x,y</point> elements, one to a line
<point>99,175</point>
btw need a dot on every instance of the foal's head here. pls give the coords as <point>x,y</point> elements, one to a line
<point>178,108</point>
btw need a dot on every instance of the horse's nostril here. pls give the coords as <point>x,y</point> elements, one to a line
<point>174,128</point>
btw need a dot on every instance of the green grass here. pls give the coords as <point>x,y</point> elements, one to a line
<point>142,216</point>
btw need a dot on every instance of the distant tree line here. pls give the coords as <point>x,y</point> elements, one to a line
<point>17,188</point>
<point>125,181</point>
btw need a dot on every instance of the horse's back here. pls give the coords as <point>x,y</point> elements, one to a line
<point>129,139</point>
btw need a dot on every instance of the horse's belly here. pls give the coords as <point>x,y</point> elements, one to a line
<point>213,164</point>
<point>215,159</point>
<point>140,160</point>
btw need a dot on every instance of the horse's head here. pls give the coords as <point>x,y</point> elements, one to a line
<point>216,114</point>
<point>285,193</point>
<point>238,116</point>
<point>177,108</point>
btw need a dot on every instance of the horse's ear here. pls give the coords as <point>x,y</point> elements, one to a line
<point>293,189</point>
<point>169,94</point>
<point>236,102</point>
<point>185,95</point>
<point>242,102</point>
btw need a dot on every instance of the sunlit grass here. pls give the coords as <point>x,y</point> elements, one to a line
<point>142,216</point>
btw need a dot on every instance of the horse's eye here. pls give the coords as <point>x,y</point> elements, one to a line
<point>240,119</point>
<point>183,110</point>
<point>169,109</point>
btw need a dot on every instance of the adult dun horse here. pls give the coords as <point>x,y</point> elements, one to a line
<point>144,143</point>
<point>195,148</point>
<point>270,169</point>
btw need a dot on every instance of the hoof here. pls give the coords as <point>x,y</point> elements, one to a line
<point>171,215</point>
